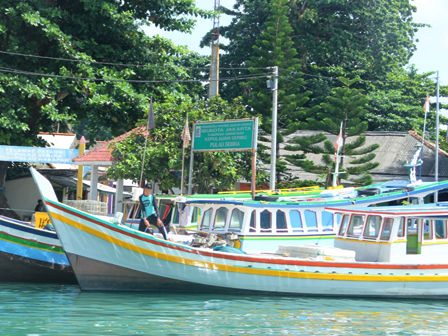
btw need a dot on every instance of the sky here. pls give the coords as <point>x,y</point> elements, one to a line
<point>432,47</point>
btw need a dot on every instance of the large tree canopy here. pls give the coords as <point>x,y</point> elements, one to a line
<point>67,61</point>
<point>75,42</point>
<point>369,39</point>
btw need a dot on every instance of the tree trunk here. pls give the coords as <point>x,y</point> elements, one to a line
<point>3,201</point>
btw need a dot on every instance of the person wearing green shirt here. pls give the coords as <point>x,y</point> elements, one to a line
<point>150,212</point>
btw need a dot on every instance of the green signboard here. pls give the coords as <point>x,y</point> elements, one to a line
<point>223,136</point>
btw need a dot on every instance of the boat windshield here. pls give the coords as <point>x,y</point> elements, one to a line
<point>253,223</point>
<point>296,221</point>
<point>343,225</point>
<point>440,229</point>
<point>220,218</point>
<point>373,227</point>
<point>356,225</point>
<point>206,219</point>
<point>387,229</point>
<point>236,221</point>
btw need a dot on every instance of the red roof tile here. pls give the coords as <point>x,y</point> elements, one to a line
<point>430,144</point>
<point>102,153</point>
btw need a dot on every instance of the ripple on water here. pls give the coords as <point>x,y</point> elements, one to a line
<point>37,310</point>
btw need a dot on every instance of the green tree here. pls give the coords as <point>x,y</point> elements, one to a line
<point>163,156</point>
<point>402,94</point>
<point>68,76</point>
<point>370,39</point>
<point>346,107</point>
<point>275,48</point>
<point>305,145</point>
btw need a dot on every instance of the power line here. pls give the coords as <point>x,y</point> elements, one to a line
<point>178,67</point>
<point>2,69</point>
<point>116,64</point>
<point>365,80</point>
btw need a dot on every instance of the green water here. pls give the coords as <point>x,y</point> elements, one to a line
<point>35,310</point>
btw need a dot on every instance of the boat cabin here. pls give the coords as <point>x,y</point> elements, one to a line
<point>169,206</point>
<point>262,226</point>
<point>414,233</point>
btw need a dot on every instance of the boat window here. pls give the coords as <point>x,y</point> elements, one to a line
<point>343,224</point>
<point>166,212</point>
<point>311,220</point>
<point>134,212</point>
<point>194,215</point>
<point>440,228</point>
<point>400,232</point>
<point>206,219</point>
<point>296,221</point>
<point>327,221</point>
<point>236,221</point>
<point>373,226</point>
<point>356,225</point>
<point>265,221</point>
<point>162,209</point>
<point>176,214</point>
<point>220,218</point>
<point>281,221</point>
<point>387,228</point>
<point>253,223</point>
<point>427,229</point>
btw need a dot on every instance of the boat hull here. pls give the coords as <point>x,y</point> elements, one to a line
<point>111,257</point>
<point>28,254</point>
<point>21,269</point>
<point>108,257</point>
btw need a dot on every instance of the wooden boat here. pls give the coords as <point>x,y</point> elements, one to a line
<point>30,254</point>
<point>376,256</point>
<point>262,226</point>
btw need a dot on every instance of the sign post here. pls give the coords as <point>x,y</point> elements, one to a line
<point>227,135</point>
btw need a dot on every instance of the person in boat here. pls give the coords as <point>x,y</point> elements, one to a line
<point>39,206</point>
<point>150,212</point>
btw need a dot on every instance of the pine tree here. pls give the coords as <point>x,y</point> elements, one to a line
<point>346,106</point>
<point>275,48</point>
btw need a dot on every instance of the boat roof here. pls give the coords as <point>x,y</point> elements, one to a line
<point>418,210</point>
<point>386,195</point>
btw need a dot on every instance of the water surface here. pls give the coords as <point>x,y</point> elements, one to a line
<point>34,310</point>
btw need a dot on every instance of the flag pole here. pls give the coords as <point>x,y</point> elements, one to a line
<point>150,124</point>
<point>426,107</point>
<point>183,159</point>
<point>182,173</point>
<point>436,171</point>
<point>336,170</point>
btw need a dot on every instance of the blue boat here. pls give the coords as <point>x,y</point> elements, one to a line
<point>30,254</point>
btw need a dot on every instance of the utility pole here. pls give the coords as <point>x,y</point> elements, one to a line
<point>436,171</point>
<point>274,88</point>
<point>214,66</point>
<point>79,184</point>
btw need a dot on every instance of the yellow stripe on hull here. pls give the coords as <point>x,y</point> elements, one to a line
<point>250,270</point>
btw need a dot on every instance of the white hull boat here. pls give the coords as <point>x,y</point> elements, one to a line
<point>381,252</point>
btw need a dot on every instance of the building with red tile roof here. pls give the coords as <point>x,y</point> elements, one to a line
<point>101,156</point>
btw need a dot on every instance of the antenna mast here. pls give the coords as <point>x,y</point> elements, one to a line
<point>214,66</point>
